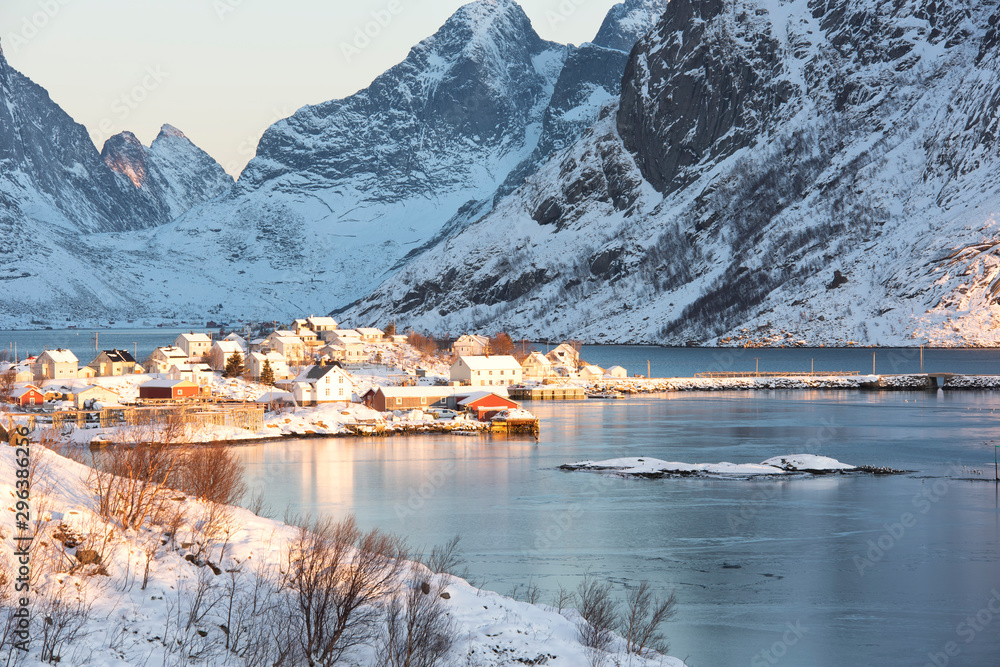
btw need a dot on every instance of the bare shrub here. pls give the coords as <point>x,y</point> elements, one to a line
<point>212,473</point>
<point>64,612</point>
<point>644,614</point>
<point>132,482</point>
<point>337,577</point>
<point>418,631</point>
<point>7,381</point>
<point>254,627</point>
<point>447,558</point>
<point>562,598</point>
<point>598,608</point>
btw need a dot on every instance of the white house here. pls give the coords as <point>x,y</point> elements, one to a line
<point>22,371</point>
<point>321,324</point>
<point>200,374</point>
<point>86,397</point>
<point>371,334</point>
<point>470,345</point>
<point>339,335</point>
<point>496,371</point>
<point>351,352</point>
<point>290,347</point>
<point>616,372</point>
<point>195,345</point>
<point>56,364</point>
<point>565,356</point>
<point>591,372</point>
<point>322,384</point>
<point>165,357</point>
<point>239,340</point>
<point>255,362</point>
<point>536,366</point>
<point>222,351</point>
<point>278,333</point>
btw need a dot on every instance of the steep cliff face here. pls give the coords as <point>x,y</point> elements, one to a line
<point>49,160</point>
<point>705,83</point>
<point>172,174</point>
<point>758,147</point>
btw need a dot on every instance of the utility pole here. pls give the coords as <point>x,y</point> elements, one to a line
<point>756,368</point>
<point>873,363</point>
<point>647,370</point>
<point>812,366</point>
<point>921,358</point>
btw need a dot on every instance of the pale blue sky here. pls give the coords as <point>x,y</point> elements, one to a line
<point>223,70</point>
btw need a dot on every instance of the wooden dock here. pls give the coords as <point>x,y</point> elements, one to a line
<point>516,426</point>
<point>547,393</point>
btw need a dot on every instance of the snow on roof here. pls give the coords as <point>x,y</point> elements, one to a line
<point>538,358</point>
<point>472,338</point>
<point>282,333</point>
<point>322,322</point>
<point>118,356</point>
<point>288,340</point>
<point>616,368</point>
<point>92,387</point>
<point>591,368</point>
<point>156,384</point>
<point>171,351</point>
<point>195,338</point>
<point>228,346</point>
<point>21,391</point>
<point>370,331</point>
<point>60,356</point>
<point>498,362</point>
<point>347,333</point>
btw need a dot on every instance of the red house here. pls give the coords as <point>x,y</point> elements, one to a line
<point>486,404</point>
<point>167,390</point>
<point>26,396</point>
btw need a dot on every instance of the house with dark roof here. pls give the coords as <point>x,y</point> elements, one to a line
<point>323,384</point>
<point>113,362</point>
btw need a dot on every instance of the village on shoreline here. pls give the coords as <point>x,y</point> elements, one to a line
<point>317,378</point>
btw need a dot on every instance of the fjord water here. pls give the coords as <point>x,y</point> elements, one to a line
<point>832,570</point>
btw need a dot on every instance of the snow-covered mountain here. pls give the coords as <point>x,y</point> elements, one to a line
<point>627,22</point>
<point>58,196</point>
<point>342,193</point>
<point>173,173</point>
<point>759,146</point>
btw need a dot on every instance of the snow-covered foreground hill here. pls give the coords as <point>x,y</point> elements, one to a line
<point>180,594</point>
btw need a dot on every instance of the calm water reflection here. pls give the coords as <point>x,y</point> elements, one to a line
<point>798,543</point>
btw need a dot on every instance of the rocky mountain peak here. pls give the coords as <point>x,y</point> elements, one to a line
<point>167,131</point>
<point>126,155</point>
<point>627,22</point>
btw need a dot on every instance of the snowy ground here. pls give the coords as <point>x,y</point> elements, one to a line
<point>183,614</point>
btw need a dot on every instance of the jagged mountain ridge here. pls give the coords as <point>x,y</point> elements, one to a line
<point>173,173</point>
<point>342,193</point>
<point>758,146</point>
<point>58,194</point>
